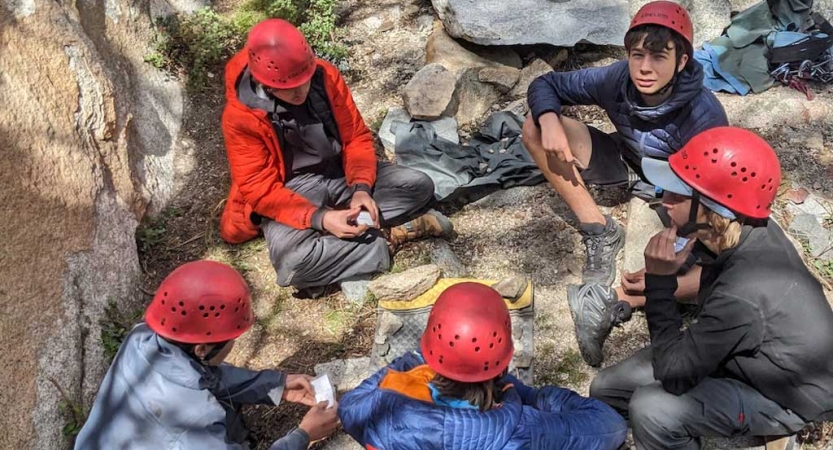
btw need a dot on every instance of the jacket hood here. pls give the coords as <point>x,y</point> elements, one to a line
<point>687,87</point>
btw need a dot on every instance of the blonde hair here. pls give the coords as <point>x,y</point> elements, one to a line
<point>725,233</point>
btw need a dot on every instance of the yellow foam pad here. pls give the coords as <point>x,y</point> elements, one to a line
<point>430,296</point>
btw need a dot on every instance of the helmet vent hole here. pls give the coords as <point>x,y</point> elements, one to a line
<point>239,326</point>
<point>202,307</point>
<point>239,300</point>
<point>165,294</point>
<point>181,303</point>
<point>473,340</point>
<point>758,207</point>
<point>770,188</point>
<point>500,340</point>
<point>439,326</point>
<point>441,359</point>
<point>752,174</point>
<point>205,316</point>
<point>714,150</point>
<point>734,164</point>
<point>673,22</point>
<point>208,333</point>
<point>163,322</point>
<point>217,315</point>
<point>714,160</point>
<point>212,308</point>
<point>687,167</point>
<point>729,196</point>
<point>173,329</point>
<point>451,343</point>
<point>705,153</point>
<point>494,334</point>
<point>745,179</point>
<point>456,337</point>
<point>184,313</point>
<point>173,308</point>
<point>477,349</point>
<point>222,306</point>
<point>434,329</point>
<point>497,363</point>
<point>763,187</point>
<point>439,337</point>
<point>743,169</point>
<point>492,345</point>
<point>734,174</point>
<point>697,176</point>
<point>770,180</point>
<point>163,302</point>
<point>236,309</point>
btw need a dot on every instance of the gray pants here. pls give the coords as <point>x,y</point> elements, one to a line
<point>308,258</point>
<point>717,407</point>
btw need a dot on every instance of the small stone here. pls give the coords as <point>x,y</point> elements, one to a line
<point>407,285</point>
<point>425,21</point>
<point>373,23</point>
<point>386,25</point>
<point>430,93</point>
<point>511,288</point>
<point>574,267</point>
<point>356,289</point>
<point>815,141</point>
<point>388,325</point>
<point>503,78</point>
<point>817,185</point>
<point>797,196</point>
<point>528,74</point>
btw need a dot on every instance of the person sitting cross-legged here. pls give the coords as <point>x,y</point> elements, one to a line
<point>756,358</point>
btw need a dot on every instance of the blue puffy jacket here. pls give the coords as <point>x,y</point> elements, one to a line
<point>657,131</point>
<point>156,397</point>
<point>551,418</point>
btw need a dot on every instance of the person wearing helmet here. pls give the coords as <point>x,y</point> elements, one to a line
<point>303,167</point>
<point>456,393</point>
<point>168,387</point>
<point>755,360</point>
<point>655,100</point>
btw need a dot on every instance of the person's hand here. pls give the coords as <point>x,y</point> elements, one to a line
<point>337,222</point>
<point>554,139</point>
<point>320,421</point>
<point>297,389</point>
<point>660,258</point>
<point>634,282</point>
<point>363,200</point>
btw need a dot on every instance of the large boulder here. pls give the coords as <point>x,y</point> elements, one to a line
<point>88,133</point>
<point>562,23</point>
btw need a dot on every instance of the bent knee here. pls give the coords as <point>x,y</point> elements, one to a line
<point>530,134</point>
<point>653,405</point>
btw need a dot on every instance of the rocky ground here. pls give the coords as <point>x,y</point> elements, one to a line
<point>522,230</point>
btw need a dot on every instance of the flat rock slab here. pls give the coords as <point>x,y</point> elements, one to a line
<point>443,256</point>
<point>643,223</point>
<point>342,442</point>
<point>407,285</point>
<point>356,289</point>
<point>563,23</point>
<point>430,93</point>
<point>346,374</point>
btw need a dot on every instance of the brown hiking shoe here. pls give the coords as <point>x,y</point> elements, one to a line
<point>430,224</point>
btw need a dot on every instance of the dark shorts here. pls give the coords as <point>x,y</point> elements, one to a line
<point>610,159</point>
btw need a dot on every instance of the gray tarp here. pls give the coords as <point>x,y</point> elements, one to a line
<point>493,159</point>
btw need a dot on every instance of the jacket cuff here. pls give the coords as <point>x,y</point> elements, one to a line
<point>362,187</point>
<point>317,219</point>
<point>660,284</point>
<point>296,439</point>
<point>538,115</point>
<point>276,393</point>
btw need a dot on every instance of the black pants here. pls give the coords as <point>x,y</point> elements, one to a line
<point>717,407</point>
<point>308,258</point>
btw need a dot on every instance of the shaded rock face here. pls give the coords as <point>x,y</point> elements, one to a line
<point>562,22</point>
<point>88,133</point>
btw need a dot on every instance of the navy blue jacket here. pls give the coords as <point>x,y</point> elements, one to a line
<point>550,418</point>
<point>657,131</point>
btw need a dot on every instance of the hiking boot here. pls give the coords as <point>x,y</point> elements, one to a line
<point>601,243</point>
<point>596,310</point>
<point>430,224</point>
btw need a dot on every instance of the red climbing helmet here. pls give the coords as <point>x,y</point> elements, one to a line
<point>734,167</point>
<point>201,302</point>
<point>667,14</point>
<point>279,55</point>
<point>469,335</point>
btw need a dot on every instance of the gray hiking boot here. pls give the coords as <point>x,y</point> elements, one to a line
<point>596,310</point>
<point>601,243</point>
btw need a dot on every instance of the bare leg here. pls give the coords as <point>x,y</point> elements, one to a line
<point>687,287</point>
<point>564,177</point>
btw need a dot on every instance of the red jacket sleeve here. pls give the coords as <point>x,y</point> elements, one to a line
<point>358,151</point>
<point>258,175</point>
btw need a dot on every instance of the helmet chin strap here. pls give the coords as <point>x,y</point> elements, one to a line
<point>692,226</point>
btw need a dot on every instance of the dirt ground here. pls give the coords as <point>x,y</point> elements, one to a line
<point>525,230</point>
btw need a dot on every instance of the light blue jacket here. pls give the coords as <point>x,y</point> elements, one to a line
<point>155,396</point>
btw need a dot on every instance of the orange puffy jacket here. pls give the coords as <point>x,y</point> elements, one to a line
<point>256,161</point>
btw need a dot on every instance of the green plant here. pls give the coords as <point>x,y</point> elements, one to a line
<point>115,325</point>
<point>74,413</point>
<point>150,234</point>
